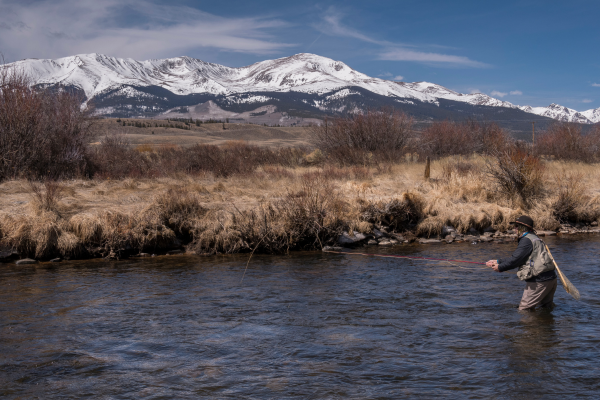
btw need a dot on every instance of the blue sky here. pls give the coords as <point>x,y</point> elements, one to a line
<point>525,52</point>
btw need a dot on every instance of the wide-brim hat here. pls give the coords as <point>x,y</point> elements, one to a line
<point>524,220</point>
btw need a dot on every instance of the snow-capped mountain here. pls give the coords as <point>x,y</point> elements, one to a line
<point>303,83</point>
<point>306,73</point>
<point>565,114</point>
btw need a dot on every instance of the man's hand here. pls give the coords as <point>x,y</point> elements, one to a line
<point>493,264</point>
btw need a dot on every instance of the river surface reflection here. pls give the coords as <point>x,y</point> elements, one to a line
<point>308,325</point>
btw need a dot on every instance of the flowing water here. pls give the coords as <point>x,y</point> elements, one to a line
<point>308,325</point>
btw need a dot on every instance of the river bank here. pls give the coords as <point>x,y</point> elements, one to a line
<point>276,210</point>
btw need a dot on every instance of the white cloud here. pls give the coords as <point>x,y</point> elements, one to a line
<point>475,91</point>
<point>66,27</point>
<point>402,54</point>
<point>498,94</point>
<point>392,51</point>
<point>586,101</point>
<point>333,26</point>
<point>516,92</point>
<point>596,84</point>
<point>398,78</point>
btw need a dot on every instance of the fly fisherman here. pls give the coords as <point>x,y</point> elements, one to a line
<point>535,265</point>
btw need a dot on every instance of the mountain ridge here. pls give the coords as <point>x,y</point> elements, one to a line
<point>103,77</point>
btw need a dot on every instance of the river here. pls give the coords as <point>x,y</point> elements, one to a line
<point>308,326</point>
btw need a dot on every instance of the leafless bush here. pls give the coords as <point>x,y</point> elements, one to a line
<point>46,195</point>
<point>114,158</point>
<point>446,138</point>
<point>42,132</point>
<point>565,141</point>
<point>517,174</point>
<point>364,138</point>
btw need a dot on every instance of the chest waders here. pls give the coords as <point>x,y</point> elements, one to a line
<point>539,261</point>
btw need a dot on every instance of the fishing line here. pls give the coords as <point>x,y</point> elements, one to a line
<point>408,257</point>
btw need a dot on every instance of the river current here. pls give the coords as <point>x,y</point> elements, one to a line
<point>307,326</point>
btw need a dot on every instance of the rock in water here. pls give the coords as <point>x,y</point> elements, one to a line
<point>346,240</point>
<point>332,248</point>
<point>447,230</point>
<point>429,241</point>
<point>26,261</point>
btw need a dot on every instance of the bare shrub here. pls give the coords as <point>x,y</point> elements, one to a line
<point>364,138</point>
<point>42,133</point>
<point>565,141</point>
<point>517,174</point>
<point>113,158</point>
<point>446,138</point>
<point>489,138</point>
<point>46,195</point>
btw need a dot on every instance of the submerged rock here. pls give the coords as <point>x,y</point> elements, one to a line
<point>429,241</point>
<point>26,261</point>
<point>332,248</point>
<point>471,238</point>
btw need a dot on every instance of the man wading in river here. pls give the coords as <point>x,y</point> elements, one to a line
<point>535,267</point>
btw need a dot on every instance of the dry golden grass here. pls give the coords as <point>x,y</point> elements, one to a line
<point>150,138</point>
<point>262,210</point>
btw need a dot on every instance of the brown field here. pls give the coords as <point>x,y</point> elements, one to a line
<point>276,209</point>
<point>207,133</point>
